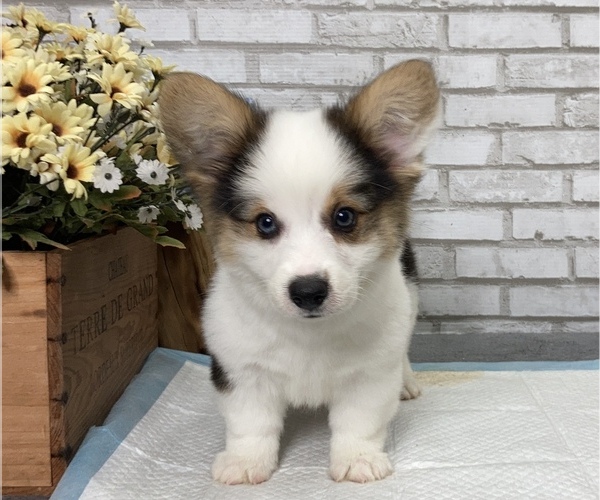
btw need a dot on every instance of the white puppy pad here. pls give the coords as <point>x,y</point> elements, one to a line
<point>476,435</point>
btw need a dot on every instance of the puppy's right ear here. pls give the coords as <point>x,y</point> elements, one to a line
<point>205,124</point>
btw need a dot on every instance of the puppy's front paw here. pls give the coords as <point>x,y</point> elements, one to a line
<point>229,468</point>
<point>361,468</point>
<point>411,389</point>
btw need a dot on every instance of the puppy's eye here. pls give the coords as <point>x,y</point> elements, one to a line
<point>344,219</point>
<point>267,225</point>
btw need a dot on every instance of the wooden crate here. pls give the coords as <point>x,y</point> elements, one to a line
<point>184,277</point>
<point>76,327</point>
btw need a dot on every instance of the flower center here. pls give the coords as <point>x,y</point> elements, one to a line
<point>108,176</point>
<point>57,129</point>
<point>21,140</point>
<point>26,89</point>
<point>153,175</point>
<point>72,171</point>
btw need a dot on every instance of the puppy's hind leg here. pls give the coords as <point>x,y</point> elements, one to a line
<point>411,388</point>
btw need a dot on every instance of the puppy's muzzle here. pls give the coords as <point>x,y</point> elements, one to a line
<point>308,292</point>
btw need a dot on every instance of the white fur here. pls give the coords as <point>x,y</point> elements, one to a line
<point>352,359</point>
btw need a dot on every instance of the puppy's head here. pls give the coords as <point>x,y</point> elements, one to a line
<point>302,206</point>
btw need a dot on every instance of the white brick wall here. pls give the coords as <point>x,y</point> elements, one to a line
<point>506,219</point>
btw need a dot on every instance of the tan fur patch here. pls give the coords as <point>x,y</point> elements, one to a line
<point>386,224</point>
<point>203,121</point>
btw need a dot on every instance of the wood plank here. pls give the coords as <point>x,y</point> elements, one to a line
<point>184,276</point>
<point>25,447</point>
<point>25,475</point>
<point>109,305</point>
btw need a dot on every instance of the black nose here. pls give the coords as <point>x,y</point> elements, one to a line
<point>308,292</point>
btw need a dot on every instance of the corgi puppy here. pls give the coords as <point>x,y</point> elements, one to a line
<point>314,297</point>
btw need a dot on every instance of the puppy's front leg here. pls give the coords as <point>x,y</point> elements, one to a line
<point>358,421</point>
<point>254,419</point>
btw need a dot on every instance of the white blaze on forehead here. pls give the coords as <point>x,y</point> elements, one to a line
<point>299,160</point>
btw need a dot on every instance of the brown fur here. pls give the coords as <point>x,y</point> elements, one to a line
<point>400,105</point>
<point>206,127</point>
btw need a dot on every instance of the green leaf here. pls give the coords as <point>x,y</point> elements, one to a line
<point>59,209</point>
<point>32,238</point>
<point>167,241</point>
<point>79,207</point>
<point>126,193</point>
<point>100,201</point>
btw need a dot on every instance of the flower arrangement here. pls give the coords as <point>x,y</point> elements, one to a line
<point>82,149</point>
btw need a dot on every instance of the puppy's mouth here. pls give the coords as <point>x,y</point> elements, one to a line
<point>313,314</point>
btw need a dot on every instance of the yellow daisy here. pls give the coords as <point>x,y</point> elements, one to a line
<point>16,13</point>
<point>11,51</point>
<point>126,18</point>
<point>84,112</point>
<point>62,52</point>
<point>76,33</point>
<point>65,125</point>
<point>163,152</point>
<point>101,47</point>
<point>155,65</point>
<point>21,135</point>
<point>75,164</point>
<point>117,87</point>
<point>36,18</point>
<point>28,86</point>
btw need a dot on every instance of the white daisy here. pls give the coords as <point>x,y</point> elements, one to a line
<point>148,214</point>
<point>152,172</point>
<point>194,217</point>
<point>107,177</point>
<point>180,205</point>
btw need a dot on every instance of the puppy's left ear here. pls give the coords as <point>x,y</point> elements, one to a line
<point>397,113</point>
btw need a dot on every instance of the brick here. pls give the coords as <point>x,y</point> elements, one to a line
<point>391,59</point>
<point>584,30</point>
<point>552,71</point>
<point>560,301</point>
<point>581,110</point>
<point>254,26</point>
<point>457,225</point>
<point>505,186</point>
<point>512,263</point>
<point>463,300</point>
<point>586,262</point>
<point>292,98</point>
<point>585,186</point>
<point>462,72</point>
<point>222,65</point>
<point>501,31</point>
<point>428,188</point>
<point>552,224</point>
<point>435,262</point>
<point>462,148</point>
<point>550,147</point>
<point>580,327</point>
<point>104,18</point>
<point>379,29</point>
<point>500,110</point>
<point>454,72</point>
<point>316,68</point>
<point>445,4</point>
<point>550,3</point>
<point>493,326</point>
<point>174,24</point>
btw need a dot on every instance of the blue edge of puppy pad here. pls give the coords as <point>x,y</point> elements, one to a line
<point>144,391</point>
